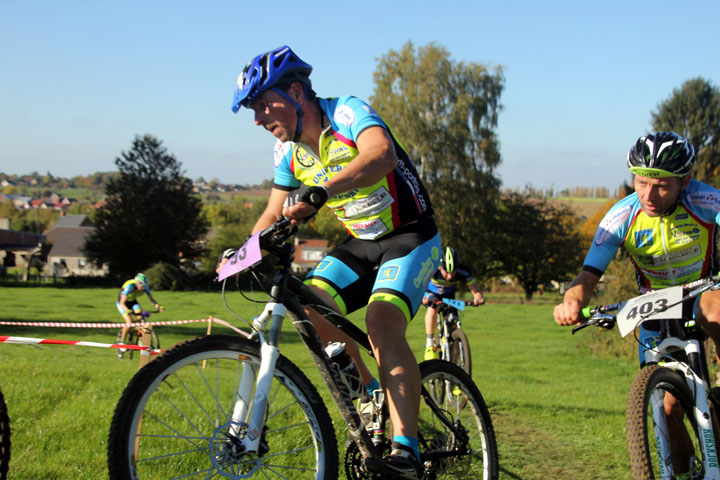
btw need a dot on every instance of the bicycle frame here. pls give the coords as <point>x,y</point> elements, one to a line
<point>444,307</point>
<point>288,297</point>
<point>700,388</point>
<point>284,300</point>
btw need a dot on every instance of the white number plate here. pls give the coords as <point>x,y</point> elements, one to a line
<point>663,303</point>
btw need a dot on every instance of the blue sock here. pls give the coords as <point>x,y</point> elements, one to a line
<point>409,442</point>
<point>372,386</point>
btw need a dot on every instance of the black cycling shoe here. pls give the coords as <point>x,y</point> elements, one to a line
<point>402,464</point>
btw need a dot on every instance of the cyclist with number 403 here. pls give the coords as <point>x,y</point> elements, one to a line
<point>443,285</point>
<point>669,227</point>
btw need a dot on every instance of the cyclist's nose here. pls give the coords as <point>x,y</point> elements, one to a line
<point>260,117</point>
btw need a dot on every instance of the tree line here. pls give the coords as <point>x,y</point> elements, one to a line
<point>445,113</point>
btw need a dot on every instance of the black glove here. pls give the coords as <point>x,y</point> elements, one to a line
<point>315,196</point>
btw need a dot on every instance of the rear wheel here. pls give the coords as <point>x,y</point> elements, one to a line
<point>650,430</point>
<point>154,342</point>
<point>457,439</point>
<point>174,419</point>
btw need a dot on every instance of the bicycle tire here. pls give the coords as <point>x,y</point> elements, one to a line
<point>4,439</point>
<point>465,406</point>
<point>460,350</point>
<point>641,432</point>
<point>184,411</point>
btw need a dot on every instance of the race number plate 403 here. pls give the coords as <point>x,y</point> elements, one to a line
<point>246,256</point>
<point>665,303</point>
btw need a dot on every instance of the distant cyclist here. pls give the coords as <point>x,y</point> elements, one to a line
<point>443,285</point>
<point>127,303</point>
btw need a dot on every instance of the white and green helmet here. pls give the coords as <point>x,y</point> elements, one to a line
<point>663,154</point>
<point>140,277</point>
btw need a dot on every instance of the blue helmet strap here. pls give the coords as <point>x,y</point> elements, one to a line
<point>298,110</point>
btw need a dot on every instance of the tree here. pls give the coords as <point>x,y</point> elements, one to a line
<point>537,241</point>
<point>445,113</point>
<point>151,214</point>
<point>693,111</point>
<point>234,222</point>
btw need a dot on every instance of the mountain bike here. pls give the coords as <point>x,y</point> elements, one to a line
<point>135,334</point>
<point>674,377</point>
<point>252,413</point>
<point>4,438</point>
<point>449,335</point>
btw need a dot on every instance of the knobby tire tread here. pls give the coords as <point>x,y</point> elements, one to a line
<point>639,445</point>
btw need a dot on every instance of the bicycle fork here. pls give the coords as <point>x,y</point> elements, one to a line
<point>701,408</point>
<point>260,379</point>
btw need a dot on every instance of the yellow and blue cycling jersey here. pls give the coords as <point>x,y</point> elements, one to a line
<point>667,250</point>
<point>367,213</point>
<point>132,291</point>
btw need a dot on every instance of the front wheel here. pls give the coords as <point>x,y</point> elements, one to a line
<point>661,445</point>
<point>174,419</point>
<point>460,350</point>
<point>455,431</point>
<point>4,439</point>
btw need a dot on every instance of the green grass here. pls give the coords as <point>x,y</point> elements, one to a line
<point>558,411</point>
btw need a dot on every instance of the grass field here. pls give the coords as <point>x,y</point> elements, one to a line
<point>558,411</point>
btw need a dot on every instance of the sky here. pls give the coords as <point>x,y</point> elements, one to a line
<point>79,80</point>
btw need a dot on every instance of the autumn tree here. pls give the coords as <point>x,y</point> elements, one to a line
<point>445,114</point>
<point>151,213</point>
<point>537,241</point>
<point>693,111</point>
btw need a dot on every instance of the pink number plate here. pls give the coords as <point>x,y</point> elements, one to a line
<point>246,256</point>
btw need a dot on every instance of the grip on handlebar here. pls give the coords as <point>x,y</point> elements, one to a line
<point>586,312</point>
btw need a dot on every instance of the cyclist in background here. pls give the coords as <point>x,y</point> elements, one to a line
<point>127,303</point>
<point>443,285</point>
<point>339,152</point>
<point>669,227</point>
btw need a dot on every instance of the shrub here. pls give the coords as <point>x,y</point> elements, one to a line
<point>164,276</point>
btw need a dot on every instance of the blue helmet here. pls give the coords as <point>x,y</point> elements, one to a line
<point>265,71</point>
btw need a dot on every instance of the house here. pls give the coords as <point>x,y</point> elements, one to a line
<point>16,247</point>
<point>308,252</point>
<point>68,236</point>
<point>73,221</point>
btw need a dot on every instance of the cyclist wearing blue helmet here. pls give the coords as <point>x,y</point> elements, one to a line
<point>339,152</point>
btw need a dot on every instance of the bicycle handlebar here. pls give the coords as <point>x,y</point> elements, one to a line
<point>600,317</point>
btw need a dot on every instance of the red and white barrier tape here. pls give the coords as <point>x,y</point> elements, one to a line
<point>50,341</point>
<point>120,325</point>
